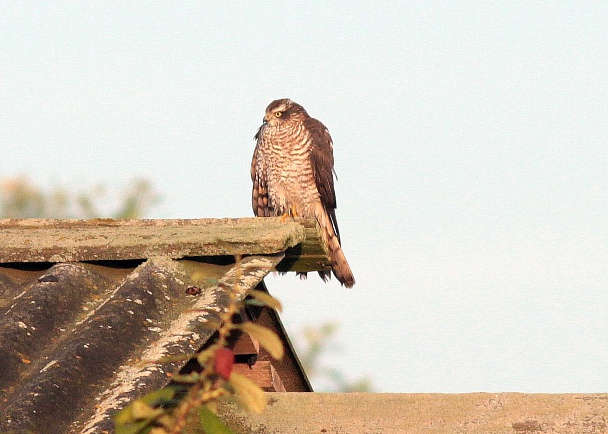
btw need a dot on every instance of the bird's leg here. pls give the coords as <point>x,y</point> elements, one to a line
<point>293,211</point>
<point>290,213</point>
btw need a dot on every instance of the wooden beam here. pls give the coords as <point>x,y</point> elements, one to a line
<point>289,367</point>
<point>310,255</point>
<point>246,346</point>
<point>41,240</point>
<point>263,374</point>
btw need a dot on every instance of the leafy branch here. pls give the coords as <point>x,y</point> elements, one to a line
<point>167,411</point>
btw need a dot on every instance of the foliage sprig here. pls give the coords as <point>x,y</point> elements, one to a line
<point>168,410</point>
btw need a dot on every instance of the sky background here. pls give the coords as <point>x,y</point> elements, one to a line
<point>470,142</point>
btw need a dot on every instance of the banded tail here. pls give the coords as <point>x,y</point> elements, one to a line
<point>338,261</point>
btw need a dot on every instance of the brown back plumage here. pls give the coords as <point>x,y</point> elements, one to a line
<point>293,173</point>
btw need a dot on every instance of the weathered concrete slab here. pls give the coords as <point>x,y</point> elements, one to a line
<point>38,240</point>
<point>512,413</point>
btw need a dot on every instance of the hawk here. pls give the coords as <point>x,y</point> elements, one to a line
<point>292,172</point>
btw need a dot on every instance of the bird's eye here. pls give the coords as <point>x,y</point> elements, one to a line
<point>278,114</point>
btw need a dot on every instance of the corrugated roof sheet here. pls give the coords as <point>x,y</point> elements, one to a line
<point>73,335</point>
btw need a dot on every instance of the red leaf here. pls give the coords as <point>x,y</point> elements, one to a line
<point>223,361</point>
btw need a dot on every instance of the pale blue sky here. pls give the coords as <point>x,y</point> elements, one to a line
<point>471,145</point>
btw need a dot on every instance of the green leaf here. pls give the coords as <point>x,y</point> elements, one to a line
<point>266,299</point>
<point>205,355</point>
<point>186,378</point>
<point>250,395</point>
<point>160,396</point>
<point>267,338</point>
<point>131,428</point>
<point>137,417</point>
<point>142,411</point>
<point>211,423</point>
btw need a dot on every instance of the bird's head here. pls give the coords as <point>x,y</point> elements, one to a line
<point>283,110</point>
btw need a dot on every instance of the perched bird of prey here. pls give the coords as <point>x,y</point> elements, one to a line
<point>292,173</point>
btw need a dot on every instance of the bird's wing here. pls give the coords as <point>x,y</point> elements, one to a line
<point>259,194</point>
<point>322,160</point>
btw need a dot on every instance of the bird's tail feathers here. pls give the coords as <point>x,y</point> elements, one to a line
<point>339,264</point>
